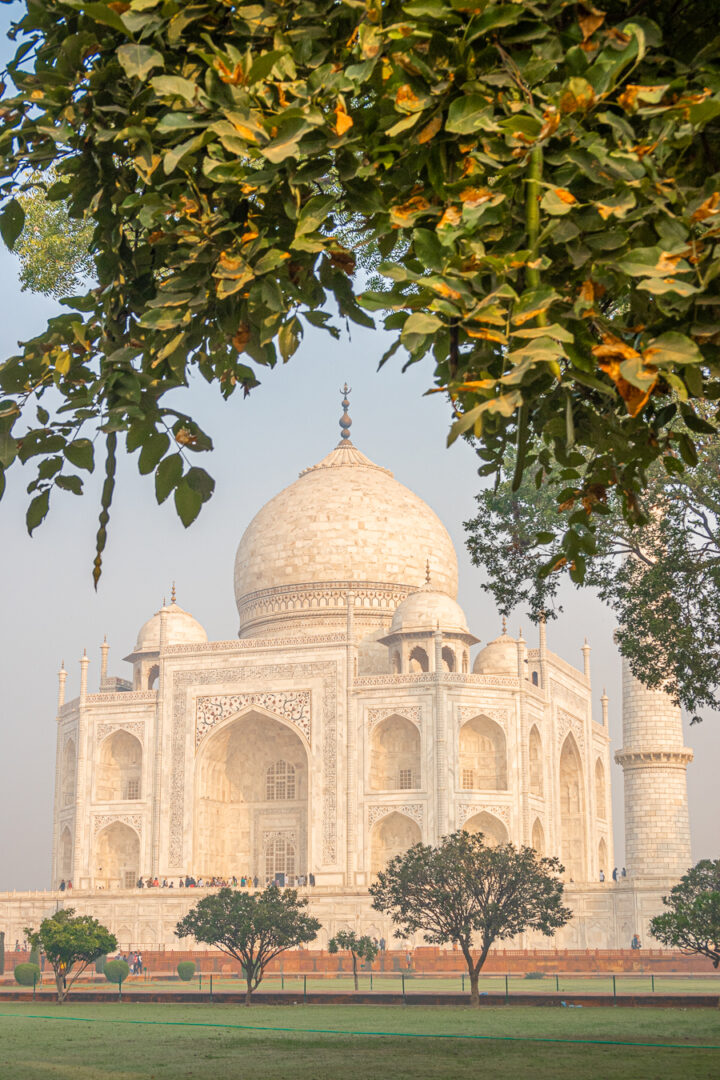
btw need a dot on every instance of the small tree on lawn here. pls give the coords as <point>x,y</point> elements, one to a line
<point>360,948</point>
<point>251,928</point>
<point>692,922</point>
<point>71,943</point>
<point>462,890</point>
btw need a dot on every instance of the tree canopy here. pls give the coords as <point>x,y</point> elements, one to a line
<point>251,927</point>
<point>662,581</point>
<point>539,182</point>
<point>53,248</point>
<point>359,947</point>
<point>71,943</point>
<point>692,922</point>
<point>463,891</point>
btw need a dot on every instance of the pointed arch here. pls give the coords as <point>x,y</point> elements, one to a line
<point>538,837</point>
<point>600,790</point>
<point>449,661</point>
<point>572,814</point>
<point>118,774</point>
<point>419,660</point>
<point>392,835</point>
<point>493,829</point>
<point>116,862</point>
<point>65,854</point>
<point>535,755</point>
<point>483,755</point>
<point>395,755</point>
<point>603,858</point>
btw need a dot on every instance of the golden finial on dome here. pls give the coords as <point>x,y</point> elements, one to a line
<point>345,421</point>
<point>504,625</point>
<point>172,593</point>
<point>427,571</point>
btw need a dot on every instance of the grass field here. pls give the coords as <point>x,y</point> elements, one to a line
<point>41,1042</point>
<point>454,984</point>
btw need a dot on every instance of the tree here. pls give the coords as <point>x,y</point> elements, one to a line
<point>360,948</point>
<point>463,890</point>
<point>71,943</point>
<point>692,923</point>
<point>252,928</point>
<point>662,581</point>
<point>53,248</point>
<point>539,182</point>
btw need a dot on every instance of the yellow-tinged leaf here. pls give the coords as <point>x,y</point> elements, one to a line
<point>430,130</point>
<point>406,212</point>
<point>407,100</point>
<point>707,209</point>
<point>487,335</point>
<point>475,196</point>
<point>343,122</point>
<point>590,20</point>
<point>451,216</point>
<point>62,363</point>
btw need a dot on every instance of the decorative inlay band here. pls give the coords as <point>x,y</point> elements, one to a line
<point>410,712</point>
<point>469,712</point>
<point>467,810</point>
<point>123,697</point>
<point>567,723</point>
<point>293,706</point>
<point>455,677</point>
<point>633,759</point>
<point>244,644</point>
<point>101,820</point>
<point>376,811</point>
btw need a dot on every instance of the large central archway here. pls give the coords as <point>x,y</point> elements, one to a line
<point>251,801</point>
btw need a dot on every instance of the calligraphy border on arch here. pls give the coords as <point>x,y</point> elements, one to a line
<point>183,680</point>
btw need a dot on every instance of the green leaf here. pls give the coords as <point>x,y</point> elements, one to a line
<point>167,476</point>
<point>672,348</point>
<point>314,213</point>
<point>200,481</point>
<point>188,502</point>
<point>154,446</point>
<point>80,453</point>
<point>504,405</point>
<point>532,303</point>
<point>651,261</point>
<point>138,61</point>
<point>289,338</point>
<point>174,86</point>
<point>470,113</point>
<point>101,13</point>
<point>497,15</point>
<point>70,483</point>
<point>12,219</point>
<point>421,324</point>
<point>37,510</point>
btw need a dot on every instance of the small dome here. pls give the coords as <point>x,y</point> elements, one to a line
<point>425,610</point>
<point>182,629</point>
<point>499,657</point>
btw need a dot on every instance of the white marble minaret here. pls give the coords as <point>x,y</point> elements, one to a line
<point>654,762</point>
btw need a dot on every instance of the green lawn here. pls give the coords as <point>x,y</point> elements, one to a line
<point>42,1041</point>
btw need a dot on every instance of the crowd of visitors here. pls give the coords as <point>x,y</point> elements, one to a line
<point>247,881</point>
<point>615,874</point>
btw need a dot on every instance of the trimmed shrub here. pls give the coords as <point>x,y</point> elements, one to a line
<point>116,971</point>
<point>186,970</point>
<point>535,975</point>
<point>34,957</point>
<point>27,974</point>
<point>100,964</point>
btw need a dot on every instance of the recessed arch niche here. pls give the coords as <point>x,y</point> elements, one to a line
<point>449,661</point>
<point>418,660</point>
<point>251,799</point>
<point>483,755</point>
<point>538,837</point>
<point>603,857</point>
<point>116,862</point>
<point>69,756</point>
<point>65,854</point>
<point>119,769</point>
<point>536,762</point>
<point>600,796</point>
<point>572,830</point>
<point>394,755</point>
<point>492,828</point>
<point>391,835</point>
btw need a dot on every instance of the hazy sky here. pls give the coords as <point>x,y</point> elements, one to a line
<point>51,611</point>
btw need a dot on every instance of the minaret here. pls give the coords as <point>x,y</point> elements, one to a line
<point>654,762</point>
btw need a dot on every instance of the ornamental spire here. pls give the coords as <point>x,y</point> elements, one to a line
<point>427,571</point>
<point>345,421</point>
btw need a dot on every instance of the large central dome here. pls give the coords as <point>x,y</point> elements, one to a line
<point>345,525</point>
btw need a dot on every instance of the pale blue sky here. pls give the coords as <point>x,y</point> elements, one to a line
<point>52,612</point>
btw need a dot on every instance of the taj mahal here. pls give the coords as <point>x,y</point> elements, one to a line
<point>354,715</point>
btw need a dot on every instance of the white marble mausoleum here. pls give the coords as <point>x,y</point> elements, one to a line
<point>353,715</point>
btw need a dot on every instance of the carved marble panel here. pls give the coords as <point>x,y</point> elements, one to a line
<point>375,811</point>
<point>467,810</point>
<point>135,727</point>
<point>468,712</point>
<point>410,712</point>
<point>292,705</point>
<point>101,820</point>
<point>567,723</point>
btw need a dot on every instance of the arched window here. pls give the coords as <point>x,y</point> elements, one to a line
<point>572,853</point>
<point>117,856</point>
<point>483,756</point>
<point>600,796</point>
<point>119,769</point>
<point>395,755</point>
<point>536,764</point>
<point>153,676</point>
<point>535,678</point>
<point>419,660</point>
<point>280,782</point>
<point>448,658</point>
<point>603,858</point>
<point>279,856</point>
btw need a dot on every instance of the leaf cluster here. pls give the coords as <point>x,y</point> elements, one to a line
<point>692,923</point>
<point>251,927</point>
<point>540,183</point>
<point>362,947</point>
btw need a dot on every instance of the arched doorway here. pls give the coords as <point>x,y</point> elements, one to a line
<point>251,800</point>
<point>603,858</point>
<point>65,854</point>
<point>119,770</point>
<point>419,660</point>
<point>600,796</point>
<point>395,755</point>
<point>538,837</point>
<point>492,828</point>
<point>117,857</point>
<point>536,762</point>
<point>572,824</point>
<point>391,835</point>
<point>483,756</point>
